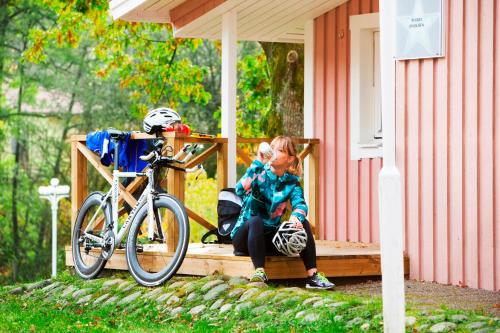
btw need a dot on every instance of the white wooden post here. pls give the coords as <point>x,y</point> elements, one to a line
<point>390,195</point>
<point>228,91</point>
<point>308,94</point>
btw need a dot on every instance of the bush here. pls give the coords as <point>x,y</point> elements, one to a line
<point>201,197</point>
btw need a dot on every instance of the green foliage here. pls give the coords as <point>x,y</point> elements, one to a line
<point>143,55</point>
<point>201,197</point>
<point>255,100</point>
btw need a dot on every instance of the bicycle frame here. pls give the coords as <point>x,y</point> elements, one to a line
<point>147,196</point>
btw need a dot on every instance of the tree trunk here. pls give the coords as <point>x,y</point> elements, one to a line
<point>15,222</point>
<point>286,68</point>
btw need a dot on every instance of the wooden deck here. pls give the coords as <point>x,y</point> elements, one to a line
<point>334,259</point>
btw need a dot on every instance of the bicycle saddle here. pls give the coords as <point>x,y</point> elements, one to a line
<point>116,134</point>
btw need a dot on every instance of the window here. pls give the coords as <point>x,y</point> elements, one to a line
<point>365,107</point>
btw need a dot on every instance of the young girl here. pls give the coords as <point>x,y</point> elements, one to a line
<point>265,188</point>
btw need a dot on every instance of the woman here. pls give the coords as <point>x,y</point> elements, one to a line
<point>266,187</point>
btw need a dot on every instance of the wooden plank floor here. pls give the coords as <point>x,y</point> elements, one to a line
<point>333,258</point>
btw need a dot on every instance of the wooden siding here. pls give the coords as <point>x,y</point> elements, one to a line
<point>190,10</point>
<point>447,146</point>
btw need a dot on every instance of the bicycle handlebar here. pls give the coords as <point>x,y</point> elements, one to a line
<point>154,157</point>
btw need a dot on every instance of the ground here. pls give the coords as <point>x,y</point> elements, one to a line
<point>218,303</point>
<point>426,295</point>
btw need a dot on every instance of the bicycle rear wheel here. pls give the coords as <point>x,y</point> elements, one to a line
<point>164,254</point>
<point>87,253</point>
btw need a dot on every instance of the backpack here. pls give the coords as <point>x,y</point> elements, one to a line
<point>228,211</point>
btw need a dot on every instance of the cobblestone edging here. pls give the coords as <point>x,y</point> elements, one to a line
<point>215,297</point>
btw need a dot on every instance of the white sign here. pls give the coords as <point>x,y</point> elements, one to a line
<point>419,29</point>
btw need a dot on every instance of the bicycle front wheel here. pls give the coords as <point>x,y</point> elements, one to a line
<point>163,247</point>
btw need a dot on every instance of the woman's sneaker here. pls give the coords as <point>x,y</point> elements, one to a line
<point>318,281</point>
<point>259,276</point>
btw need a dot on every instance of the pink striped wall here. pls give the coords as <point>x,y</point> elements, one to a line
<point>447,147</point>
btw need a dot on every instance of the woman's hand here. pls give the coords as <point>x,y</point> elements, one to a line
<point>296,222</point>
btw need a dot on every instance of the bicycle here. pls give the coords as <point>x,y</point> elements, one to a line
<point>96,230</point>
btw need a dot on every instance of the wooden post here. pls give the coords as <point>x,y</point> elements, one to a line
<point>175,186</point>
<point>313,189</point>
<point>222,167</point>
<point>78,181</point>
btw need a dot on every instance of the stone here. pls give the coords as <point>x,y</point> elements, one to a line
<point>291,300</point>
<point>216,291</point>
<point>338,318</point>
<point>458,318</point>
<point>51,293</point>
<point>17,291</point>
<point>111,300</point>
<point>124,285</point>
<point>235,292</point>
<point>37,285</point>
<point>248,294</point>
<point>475,325</point>
<point>173,300</point>
<point>279,296</point>
<point>410,321</point>
<point>225,308</point>
<point>84,299</point>
<point>100,299</point>
<point>318,303</point>
<point>292,289</point>
<point>484,330</point>
<point>353,322</point>
<point>130,298</point>
<point>365,327</point>
<point>217,304</point>
<point>176,311</point>
<point>310,317</point>
<point>127,287</point>
<point>189,287</point>
<point>191,296</point>
<point>211,284</point>
<point>422,328</point>
<point>257,284</point>
<point>237,280</point>
<point>311,300</point>
<point>264,295</point>
<point>300,314</point>
<point>197,309</point>
<point>110,283</point>
<point>163,297</point>
<point>440,318</point>
<point>176,285</point>
<point>242,306</point>
<point>51,286</point>
<point>444,326</point>
<point>152,294</point>
<point>81,292</point>
<point>259,309</point>
<point>69,290</point>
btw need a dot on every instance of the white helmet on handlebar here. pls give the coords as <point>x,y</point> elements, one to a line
<point>290,240</point>
<point>156,120</point>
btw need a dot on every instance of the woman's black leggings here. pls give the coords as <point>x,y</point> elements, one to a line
<point>251,239</point>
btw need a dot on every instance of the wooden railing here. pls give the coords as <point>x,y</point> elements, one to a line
<point>175,182</point>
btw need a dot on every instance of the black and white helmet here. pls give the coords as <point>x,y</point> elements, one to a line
<point>290,240</point>
<point>159,118</point>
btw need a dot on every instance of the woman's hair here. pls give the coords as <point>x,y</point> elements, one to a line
<point>285,144</point>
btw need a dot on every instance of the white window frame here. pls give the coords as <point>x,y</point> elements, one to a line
<point>362,117</point>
